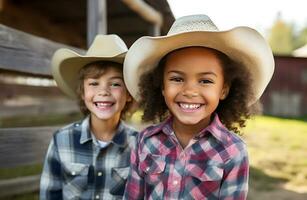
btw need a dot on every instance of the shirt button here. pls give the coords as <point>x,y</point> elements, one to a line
<point>97,197</point>
<point>99,174</point>
<point>73,173</point>
<point>175,182</point>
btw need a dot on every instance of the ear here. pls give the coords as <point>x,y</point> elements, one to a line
<point>82,96</point>
<point>163,91</point>
<point>225,92</point>
<point>129,98</point>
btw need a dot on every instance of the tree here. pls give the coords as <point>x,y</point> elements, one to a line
<point>281,37</point>
<point>301,38</point>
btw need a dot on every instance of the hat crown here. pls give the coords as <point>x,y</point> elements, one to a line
<point>192,23</point>
<point>114,45</point>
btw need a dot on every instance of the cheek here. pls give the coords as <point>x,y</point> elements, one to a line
<point>121,94</point>
<point>87,93</point>
<point>169,94</point>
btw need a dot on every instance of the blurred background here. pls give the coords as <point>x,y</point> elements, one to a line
<point>32,107</point>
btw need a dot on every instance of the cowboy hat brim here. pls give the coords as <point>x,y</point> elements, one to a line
<point>243,45</point>
<point>66,64</point>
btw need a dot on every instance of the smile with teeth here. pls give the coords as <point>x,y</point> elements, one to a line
<point>190,106</point>
<point>103,105</point>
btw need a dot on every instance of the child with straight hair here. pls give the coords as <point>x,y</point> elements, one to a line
<point>90,159</point>
<point>202,85</point>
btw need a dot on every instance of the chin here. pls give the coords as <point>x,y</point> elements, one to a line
<point>190,122</point>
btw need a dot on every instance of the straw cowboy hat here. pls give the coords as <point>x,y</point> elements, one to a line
<point>66,63</point>
<point>242,44</point>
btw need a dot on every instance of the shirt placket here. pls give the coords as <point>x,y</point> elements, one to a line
<point>177,176</point>
<point>98,172</point>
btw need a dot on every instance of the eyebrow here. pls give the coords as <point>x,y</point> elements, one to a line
<point>202,73</point>
<point>117,77</point>
<point>113,77</point>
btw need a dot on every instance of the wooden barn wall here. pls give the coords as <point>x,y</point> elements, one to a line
<point>286,95</point>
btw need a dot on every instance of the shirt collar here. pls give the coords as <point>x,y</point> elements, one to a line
<point>85,130</point>
<point>164,126</point>
<point>120,138</point>
<point>216,128</point>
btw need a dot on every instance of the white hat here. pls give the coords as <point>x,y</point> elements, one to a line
<point>66,63</point>
<point>243,45</point>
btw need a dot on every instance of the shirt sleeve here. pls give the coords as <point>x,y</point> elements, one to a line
<point>51,181</point>
<point>135,183</point>
<point>235,180</point>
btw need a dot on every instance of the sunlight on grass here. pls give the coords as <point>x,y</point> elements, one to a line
<point>277,147</point>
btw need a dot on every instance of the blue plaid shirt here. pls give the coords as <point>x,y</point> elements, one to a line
<point>76,167</point>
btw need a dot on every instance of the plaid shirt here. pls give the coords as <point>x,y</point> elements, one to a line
<point>76,167</point>
<point>213,166</point>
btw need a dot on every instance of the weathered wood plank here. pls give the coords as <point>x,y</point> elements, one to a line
<point>96,19</point>
<point>25,100</point>
<point>23,146</point>
<point>9,91</point>
<point>26,53</point>
<point>19,185</point>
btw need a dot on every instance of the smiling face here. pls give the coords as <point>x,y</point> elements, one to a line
<point>193,84</point>
<point>105,96</point>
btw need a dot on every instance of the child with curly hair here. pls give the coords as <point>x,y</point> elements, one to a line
<point>202,85</point>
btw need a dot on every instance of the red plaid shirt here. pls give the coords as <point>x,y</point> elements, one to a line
<point>213,166</point>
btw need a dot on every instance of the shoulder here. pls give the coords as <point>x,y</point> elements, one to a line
<point>235,141</point>
<point>68,132</point>
<point>228,144</point>
<point>129,130</point>
<point>226,137</point>
<point>150,131</point>
<point>130,133</point>
<point>235,147</point>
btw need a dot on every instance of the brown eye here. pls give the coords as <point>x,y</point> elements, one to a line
<point>176,79</point>
<point>205,81</point>
<point>93,83</point>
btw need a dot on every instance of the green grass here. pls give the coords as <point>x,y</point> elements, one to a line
<point>278,148</point>
<point>28,196</point>
<point>39,120</point>
<point>27,170</point>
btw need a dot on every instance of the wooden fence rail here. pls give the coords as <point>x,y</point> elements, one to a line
<point>19,185</point>
<point>22,146</point>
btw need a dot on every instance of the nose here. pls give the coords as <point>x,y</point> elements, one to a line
<point>190,90</point>
<point>104,91</point>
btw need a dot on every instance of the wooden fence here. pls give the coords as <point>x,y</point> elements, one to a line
<point>22,146</point>
<point>24,56</point>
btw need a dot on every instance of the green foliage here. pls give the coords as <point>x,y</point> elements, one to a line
<point>284,37</point>
<point>301,38</point>
<point>281,38</point>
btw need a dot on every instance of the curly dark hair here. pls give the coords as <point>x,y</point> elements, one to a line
<point>233,111</point>
<point>95,70</point>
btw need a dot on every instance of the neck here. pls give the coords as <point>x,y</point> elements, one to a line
<point>104,129</point>
<point>185,133</point>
